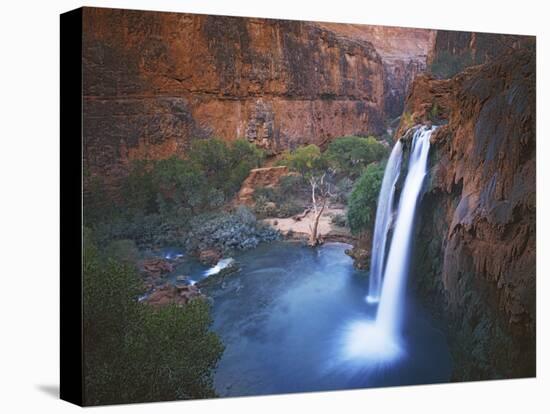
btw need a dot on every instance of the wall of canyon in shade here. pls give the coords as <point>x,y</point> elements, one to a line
<point>475,258</point>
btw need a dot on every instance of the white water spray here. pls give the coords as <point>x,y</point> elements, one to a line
<point>380,340</point>
<point>383,222</point>
<point>390,310</point>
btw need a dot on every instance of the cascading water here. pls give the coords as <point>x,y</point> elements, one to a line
<point>389,312</point>
<point>383,222</point>
<point>380,340</point>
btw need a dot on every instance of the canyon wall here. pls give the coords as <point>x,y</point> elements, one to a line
<point>475,251</point>
<point>452,51</point>
<point>404,52</point>
<point>155,81</point>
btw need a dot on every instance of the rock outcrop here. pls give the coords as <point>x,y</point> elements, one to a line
<point>153,81</point>
<point>260,177</point>
<point>178,295</point>
<point>404,52</point>
<point>475,247</point>
<point>453,51</point>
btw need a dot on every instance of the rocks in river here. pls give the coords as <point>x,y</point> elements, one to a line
<point>209,256</point>
<point>170,294</point>
<point>182,279</point>
<point>361,257</point>
<point>156,267</point>
<point>218,273</point>
<point>225,232</point>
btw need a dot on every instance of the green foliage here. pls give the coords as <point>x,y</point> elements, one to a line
<point>180,186</point>
<point>124,251</point>
<point>363,198</point>
<point>158,198</point>
<point>306,160</point>
<point>407,120</point>
<point>350,155</point>
<point>135,353</point>
<point>225,165</point>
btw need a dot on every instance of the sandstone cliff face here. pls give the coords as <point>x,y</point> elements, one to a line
<point>475,247</point>
<point>154,81</point>
<point>404,52</point>
<point>471,48</point>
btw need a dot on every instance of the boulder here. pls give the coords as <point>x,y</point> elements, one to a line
<point>209,256</point>
<point>170,294</point>
<point>156,267</point>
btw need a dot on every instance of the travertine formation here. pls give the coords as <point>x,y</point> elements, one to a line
<point>475,252</point>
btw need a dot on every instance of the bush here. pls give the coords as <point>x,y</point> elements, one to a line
<point>225,165</point>
<point>158,198</point>
<point>304,160</point>
<point>363,198</point>
<point>342,189</point>
<point>135,353</point>
<point>350,155</point>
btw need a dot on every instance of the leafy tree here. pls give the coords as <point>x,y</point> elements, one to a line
<point>180,184</point>
<point>350,155</point>
<point>314,168</point>
<point>225,165</point>
<point>363,198</point>
<point>135,353</point>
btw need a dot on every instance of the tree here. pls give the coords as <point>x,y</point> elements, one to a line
<point>180,184</point>
<point>314,168</point>
<point>225,165</point>
<point>363,198</point>
<point>350,155</point>
<point>135,353</point>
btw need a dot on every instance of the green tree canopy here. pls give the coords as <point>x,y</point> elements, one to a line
<point>364,197</point>
<point>350,155</point>
<point>306,160</point>
<point>135,353</point>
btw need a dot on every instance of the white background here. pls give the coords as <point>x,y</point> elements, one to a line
<point>29,216</point>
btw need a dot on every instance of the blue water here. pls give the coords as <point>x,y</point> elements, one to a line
<point>284,319</point>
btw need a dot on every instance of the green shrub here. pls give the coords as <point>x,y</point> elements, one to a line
<point>350,155</point>
<point>135,353</point>
<point>225,165</point>
<point>291,185</point>
<point>304,160</point>
<point>363,198</point>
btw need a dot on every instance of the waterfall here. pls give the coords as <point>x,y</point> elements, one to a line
<point>383,222</point>
<point>380,340</point>
<point>389,314</point>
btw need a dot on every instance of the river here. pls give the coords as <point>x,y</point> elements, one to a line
<point>284,320</point>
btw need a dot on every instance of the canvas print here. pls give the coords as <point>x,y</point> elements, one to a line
<point>275,206</point>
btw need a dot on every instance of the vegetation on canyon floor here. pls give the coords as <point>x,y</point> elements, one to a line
<point>136,352</point>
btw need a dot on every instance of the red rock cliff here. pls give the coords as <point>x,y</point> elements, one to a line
<point>475,250</point>
<point>404,52</point>
<point>154,81</point>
